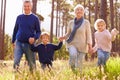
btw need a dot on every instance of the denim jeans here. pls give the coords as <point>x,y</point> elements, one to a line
<point>76,58</point>
<point>102,57</point>
<point>21,48</point>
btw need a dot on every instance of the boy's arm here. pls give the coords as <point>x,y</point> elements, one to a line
<point>56,47</point>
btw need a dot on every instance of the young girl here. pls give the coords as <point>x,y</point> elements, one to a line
<point>46,50</point>
<point>103,39</point>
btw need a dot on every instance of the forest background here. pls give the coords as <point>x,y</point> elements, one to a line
<point>56,19</point>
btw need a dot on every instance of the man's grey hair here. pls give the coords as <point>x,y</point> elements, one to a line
<point>28,1</point>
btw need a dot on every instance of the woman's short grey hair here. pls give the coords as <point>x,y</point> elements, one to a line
<point>78,6</point>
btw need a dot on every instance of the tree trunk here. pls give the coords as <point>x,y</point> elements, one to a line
<point>103,10</point>
<point>84,7</point>
<point>62,25</point>
<point>96,9</point>
<point>2,28</point>
<point>111,14</point>
<point>52,18</point>
<point>89,12</point>
<point>56,19</point>
<point>59,23</point>
<point>78,1</point>
<point>34,6</point>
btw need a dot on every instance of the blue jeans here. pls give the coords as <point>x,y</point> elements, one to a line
<point>76,58</point>
<point>102,57</point>
<point>25,48</point>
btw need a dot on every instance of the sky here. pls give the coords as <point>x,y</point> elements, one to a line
<point>13,8</point>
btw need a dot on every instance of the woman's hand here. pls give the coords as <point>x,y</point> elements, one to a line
<point>13,45</point>
<point>61,39</point>
<point>90,49</point>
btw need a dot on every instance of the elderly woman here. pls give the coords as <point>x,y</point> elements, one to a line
<point>78,38</point>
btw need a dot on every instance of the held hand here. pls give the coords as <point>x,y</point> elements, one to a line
<point>90,49</point>
<point>60,39</point>
<point>31,40</point>
<point>13,45</point>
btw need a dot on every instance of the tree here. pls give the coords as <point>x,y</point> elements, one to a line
<point>96,9</point>
<point>66,15</point>
<point>57,5</point>
<point>2,28</point>
<point>63,10</point>
<point>34,6</point>
<point>8,47</point>
<point>89,11</point>
<point>103,10</point>
<point>34,10</point>
<point>111,14</point>
<point>52,17</point>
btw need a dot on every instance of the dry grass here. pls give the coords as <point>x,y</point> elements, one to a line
<point>60,71</point>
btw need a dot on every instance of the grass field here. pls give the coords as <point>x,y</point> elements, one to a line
<point>61,71</point>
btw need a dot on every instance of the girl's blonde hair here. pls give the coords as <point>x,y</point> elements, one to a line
<point>98,21</point>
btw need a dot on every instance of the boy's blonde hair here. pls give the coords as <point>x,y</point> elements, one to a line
<point>44,33</point>
<point>98,21</point>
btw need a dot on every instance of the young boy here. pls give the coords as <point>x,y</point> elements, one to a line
<point>103,39</point>
<point>46,50</point>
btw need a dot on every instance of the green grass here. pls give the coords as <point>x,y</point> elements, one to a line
<point>113,68</point>
<point>61,71</point>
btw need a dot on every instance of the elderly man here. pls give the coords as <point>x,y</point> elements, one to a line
<point>26,31</point>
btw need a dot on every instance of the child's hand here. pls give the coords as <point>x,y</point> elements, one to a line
<point>91,51</point>
<point>60,39</point>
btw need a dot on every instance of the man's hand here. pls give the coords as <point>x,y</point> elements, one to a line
<point>31,40</point>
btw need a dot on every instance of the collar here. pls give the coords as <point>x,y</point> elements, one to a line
<point>28,14</point>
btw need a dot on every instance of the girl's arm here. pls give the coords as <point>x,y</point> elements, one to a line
<point>95,46</point>
<point>114,33</point>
